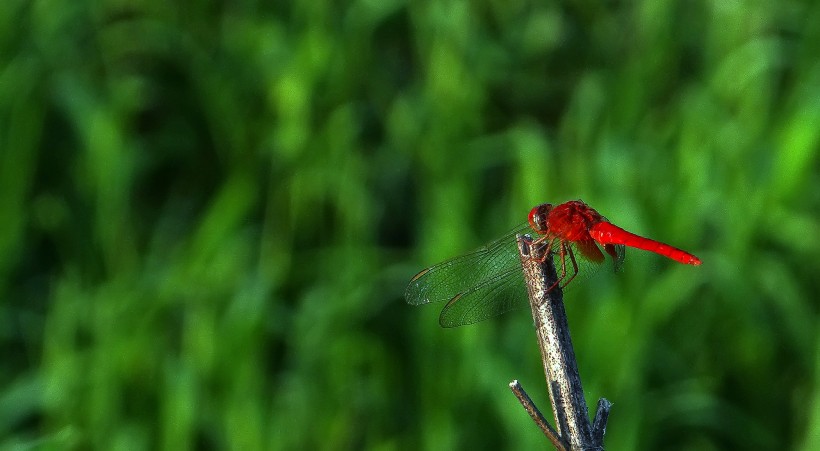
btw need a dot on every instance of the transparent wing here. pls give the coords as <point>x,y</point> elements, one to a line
<point>493,297</point>
<point>444,281</point>
<point>618,253</point>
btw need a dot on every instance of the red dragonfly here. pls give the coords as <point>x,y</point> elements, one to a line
<point>489,281</point>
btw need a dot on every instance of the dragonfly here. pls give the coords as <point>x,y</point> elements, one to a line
<point>489,281</point>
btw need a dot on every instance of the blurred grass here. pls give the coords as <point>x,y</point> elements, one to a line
<point>210,212</point>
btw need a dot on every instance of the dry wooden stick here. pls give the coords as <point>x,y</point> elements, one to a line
<point>560,368</point>
<point>537,416</point>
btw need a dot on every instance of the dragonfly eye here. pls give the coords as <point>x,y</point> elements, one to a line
<point>538,218</point>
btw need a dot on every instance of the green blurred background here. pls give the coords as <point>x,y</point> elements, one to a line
<point>210,210</point>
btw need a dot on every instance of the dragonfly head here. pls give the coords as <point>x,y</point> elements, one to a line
<point>538,218</point>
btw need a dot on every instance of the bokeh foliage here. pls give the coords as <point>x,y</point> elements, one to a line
<point>210,210</point>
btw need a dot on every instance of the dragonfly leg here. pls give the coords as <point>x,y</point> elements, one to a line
<point>574,267</point>
<point>562,255</point>
<point>563,250</point>
<point>547,248</point>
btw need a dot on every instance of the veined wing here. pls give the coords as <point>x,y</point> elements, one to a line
<point>446,280</point>
<point>492,297</point>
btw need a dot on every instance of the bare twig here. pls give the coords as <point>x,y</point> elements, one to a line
<point>537,416</point>
<point>563,381</point>
<point>599,425</point>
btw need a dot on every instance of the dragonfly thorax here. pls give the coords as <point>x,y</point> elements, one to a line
<point>569,221</point>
